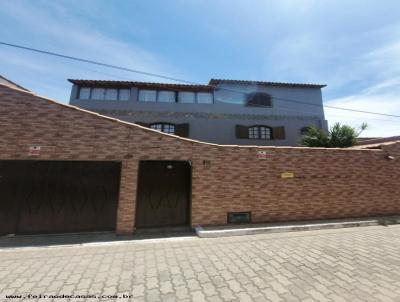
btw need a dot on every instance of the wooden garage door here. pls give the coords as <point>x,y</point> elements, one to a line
<point>163,196</point>
<point>57,196</point>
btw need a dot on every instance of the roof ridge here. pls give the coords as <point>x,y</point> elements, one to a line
<point>74,81</point>
<point>211,83</point>
<point>269,83</point>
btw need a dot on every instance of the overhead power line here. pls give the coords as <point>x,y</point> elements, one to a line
<point>338,108</point>
<point>99,63</point>
<point>151,74</point>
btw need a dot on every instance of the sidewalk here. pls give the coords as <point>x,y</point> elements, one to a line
<point>251,229</point>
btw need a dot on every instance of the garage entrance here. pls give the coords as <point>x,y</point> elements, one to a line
<point>163,197</point>
<point>39,197</point>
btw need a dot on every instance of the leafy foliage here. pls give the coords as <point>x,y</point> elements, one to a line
<point>339,136</point>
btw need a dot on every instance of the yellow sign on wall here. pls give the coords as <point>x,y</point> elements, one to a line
<point>287,175</point>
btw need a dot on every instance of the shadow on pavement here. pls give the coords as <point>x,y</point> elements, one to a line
<point>94,237</point>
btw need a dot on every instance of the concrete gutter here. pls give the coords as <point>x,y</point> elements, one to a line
<point>251,229</point>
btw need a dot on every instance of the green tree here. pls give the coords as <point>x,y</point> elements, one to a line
<point>338,136</point>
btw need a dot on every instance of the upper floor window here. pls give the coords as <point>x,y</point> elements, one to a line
<point>108,94</point>
<point>84,93</point>
<point>147,95</point>
<point>166,96</point>
<point>98,93</point>
<point>124,94</point>
<point>260,132</point>
<point>259,99</point>
<point>111,94</point>
<point>204,98</point>
<point>187,97</point>
<point>163,127</point>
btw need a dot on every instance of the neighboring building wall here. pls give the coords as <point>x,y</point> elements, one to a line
<point>328,183</point>
<point>215,123</point>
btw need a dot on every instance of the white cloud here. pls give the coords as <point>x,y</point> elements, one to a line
<point>382,95</point>
<point>385,59</point>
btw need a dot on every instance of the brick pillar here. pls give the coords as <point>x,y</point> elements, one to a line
<point>127,198</point>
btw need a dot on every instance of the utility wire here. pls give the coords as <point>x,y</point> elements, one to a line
<point>331,114</point>
<point>99,63</point>
<point>181,80</point>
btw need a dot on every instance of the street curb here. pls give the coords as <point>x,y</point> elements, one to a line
<point>240,230</point>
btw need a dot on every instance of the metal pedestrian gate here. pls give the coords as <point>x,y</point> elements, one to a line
<point>163,197</point>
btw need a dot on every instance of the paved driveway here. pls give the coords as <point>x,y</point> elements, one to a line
<point>358,264</point>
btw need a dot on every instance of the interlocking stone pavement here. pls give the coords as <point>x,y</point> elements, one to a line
<point>357,264</point>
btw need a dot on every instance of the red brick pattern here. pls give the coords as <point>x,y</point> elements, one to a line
<point>327,183</point>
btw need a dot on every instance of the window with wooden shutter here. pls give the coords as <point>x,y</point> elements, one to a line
<point>260,132</point>
<point>182,130</point>
<point>164,127</point>
<point>242,131</point>
<point>278,132</point>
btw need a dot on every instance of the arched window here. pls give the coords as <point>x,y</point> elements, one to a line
<point>260,132</point>
<point>259,99</point>
<point>163,127</point>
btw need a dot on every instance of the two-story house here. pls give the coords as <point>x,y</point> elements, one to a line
<point>227,112</point>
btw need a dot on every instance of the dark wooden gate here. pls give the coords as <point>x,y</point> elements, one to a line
<point>163,197</point>
<point>57,196</point>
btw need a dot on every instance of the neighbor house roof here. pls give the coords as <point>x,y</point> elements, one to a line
<point>262,83</point>
<point>4,80</point>
<point>377,140</point>
<point>143,85</point>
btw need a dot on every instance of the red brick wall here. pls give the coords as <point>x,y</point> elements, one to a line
<point>328,183</point>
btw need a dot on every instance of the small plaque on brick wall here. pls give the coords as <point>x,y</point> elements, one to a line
<point>261,154</point>
<point>287,175</point>
<point>34,150</point>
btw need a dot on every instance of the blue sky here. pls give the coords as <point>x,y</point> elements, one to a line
<point>353,46</point>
